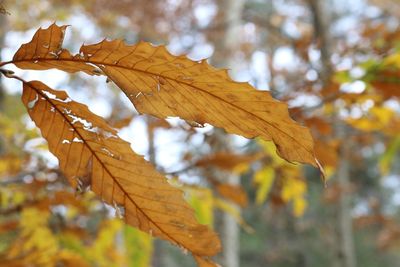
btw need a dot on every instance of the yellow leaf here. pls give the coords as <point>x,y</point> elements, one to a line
<point>241,168</point>
<point>270,149</point>
<point>70,259</point>
<point>105,248</point>
<point>387,158</point>
<point>201,199</point>
<point>36,243</point>
<point>377,119</point>
<point>228,161</point>
<point>299,206</point>
<point>264,179</point>
<point>392,60</point>
<point>10,165</point>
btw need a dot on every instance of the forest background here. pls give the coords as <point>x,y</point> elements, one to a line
<point>336,63</point>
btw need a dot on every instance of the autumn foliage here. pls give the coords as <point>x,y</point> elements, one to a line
<point>93,157</point>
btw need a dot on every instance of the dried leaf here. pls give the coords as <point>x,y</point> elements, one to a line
<point>234,193</point>
<point>161,84</point>
<point>92,155</point>
<point>226,161</point>
<point>45,51</point>
<point>377,119</point>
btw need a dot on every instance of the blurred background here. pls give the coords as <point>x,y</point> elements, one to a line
<point>336,63</point>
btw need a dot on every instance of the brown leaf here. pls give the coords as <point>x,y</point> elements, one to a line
<point>387,89</point>
<point>233,193</point>
<point>327,152</point>
<point>120,123</point>
<point>45,51</point>
<point>92,155</point>
<point>320,125</point>
<point>226,161</point>
<point>161,84</point>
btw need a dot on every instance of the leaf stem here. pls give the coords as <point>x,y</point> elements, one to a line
<point>5,63</point>
<point>10,74</point>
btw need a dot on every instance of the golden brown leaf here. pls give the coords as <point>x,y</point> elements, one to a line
<point>91,154</point>
<point>45,51</point>
<point>226,161</point>
<point>233,193</point>
<point>161,84</point>
<point>327,152</point>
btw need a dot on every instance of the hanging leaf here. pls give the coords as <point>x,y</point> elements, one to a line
<point>163,85</point>
<point>45,51</point>
<point>92,155</point>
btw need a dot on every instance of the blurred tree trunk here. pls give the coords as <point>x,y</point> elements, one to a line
<point>321,33</point>
<point>345,251</point>
<point>157,259</point>
<point>226,46</point>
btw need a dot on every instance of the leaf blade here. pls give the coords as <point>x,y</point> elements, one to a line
<point>90,153</point>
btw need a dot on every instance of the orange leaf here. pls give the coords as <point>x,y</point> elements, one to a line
<point>92,155</point>
<point>44,52</point>
<point>226,161</point>
<point>233,193</point>
<point>163,85</point>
